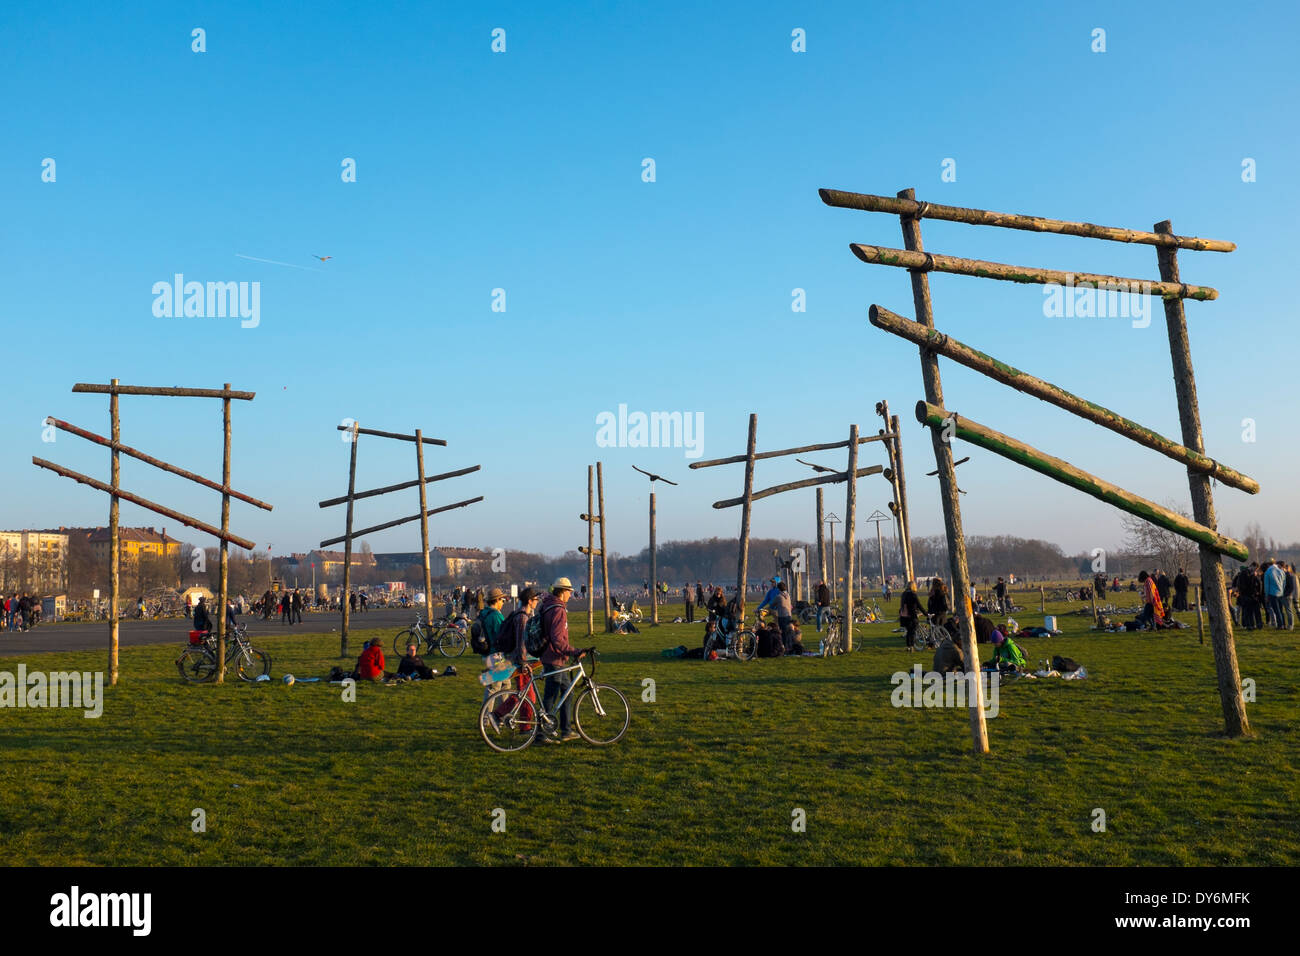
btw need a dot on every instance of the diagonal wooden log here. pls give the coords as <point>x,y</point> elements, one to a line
<point>397,435</point>
<point>393,524</point>
<point>1062,471</point>
<point>145,503</point>
<point>914,209</point>
<point>927,262</point>
<point>794,485</point>
<point>400,486</point>
<point>737,459</point>
<point>1021,381</point>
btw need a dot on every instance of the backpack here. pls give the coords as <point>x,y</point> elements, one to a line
<point>506,642</point>
<point>478,641</point>
<point>535,638</point>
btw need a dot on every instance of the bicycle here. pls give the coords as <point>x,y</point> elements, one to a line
<point>739,643</point>
<point>929,635</point>
<point>833,642</point>
<point>449,637</point>
<point>867,615</point>
<point>511,719</point>
<point>198,662</point>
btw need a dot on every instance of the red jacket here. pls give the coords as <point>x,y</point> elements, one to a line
<point>370,665</point>
<point>555,625</point>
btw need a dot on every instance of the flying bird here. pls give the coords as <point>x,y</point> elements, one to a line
<point>654,478</point>
<point>817,468</point>
<point>322,258</point>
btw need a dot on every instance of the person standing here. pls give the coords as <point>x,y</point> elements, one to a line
<point>823,598</point>
<point>1164,587</point>
<point>689,597</point>
<point>555,629</point>
<point>1180,590</point>
<point>1274,586</point>
<point>1000,589</point>
<point>909,613</point>
<point>296,607</point>
<point>699,593</point>
<point>286,614</point>
<point>937,603</point>
<point>490,620</point>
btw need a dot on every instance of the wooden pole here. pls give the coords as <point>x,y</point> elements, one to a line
<point>347,547</point>
<point>909,208</point>
<point>1200,623</point>
<point>850,535</point>
<point>1068,474</point>
<point>1042,601</point>
<point>654,569</point>
<point>398,436</point>
<point>795,485</point>
<point>591,557</point>
<point>604,552</point>
<point>225,545</point>
<point>760,456</point>
<point>1212,578</point>
<point>905,518</point>
<point>424,527</point>
<point>401,485</point>
<point>361,532</point>
<point>926,262</point>
<point>821,539</point>
<point>1030,385</point>
<point>747,500</point>
<point>880,547</point>
<point>114,543</point>
<point>115,389</point>
<point>947,484</point>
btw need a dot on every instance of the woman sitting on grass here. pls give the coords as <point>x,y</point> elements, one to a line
<point>1005,651</point>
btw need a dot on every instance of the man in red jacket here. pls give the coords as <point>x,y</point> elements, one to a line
<point>370,665</point>
<point>555,626</point>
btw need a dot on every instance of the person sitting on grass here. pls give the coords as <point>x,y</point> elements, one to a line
<point>948,658</point>
<point>412,666</point>
<point>1006,651</point>
<point>370,665</point>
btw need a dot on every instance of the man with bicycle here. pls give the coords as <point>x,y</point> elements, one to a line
<point>555,628</point>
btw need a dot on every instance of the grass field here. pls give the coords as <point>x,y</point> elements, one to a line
<point>709,773</point>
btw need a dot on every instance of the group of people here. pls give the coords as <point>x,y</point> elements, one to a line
<point>22,612</point>
<point>1266,591</point>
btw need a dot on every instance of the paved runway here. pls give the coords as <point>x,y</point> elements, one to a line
<point>93,635</point>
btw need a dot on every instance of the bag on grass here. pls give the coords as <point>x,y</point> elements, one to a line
<point>1063,664</point>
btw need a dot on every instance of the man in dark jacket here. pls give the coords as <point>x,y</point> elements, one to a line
<point>555,626</point>
<point>1180,590</point>
<point>823,602</point>
<point>909,613</point>
<point>1163,587</point>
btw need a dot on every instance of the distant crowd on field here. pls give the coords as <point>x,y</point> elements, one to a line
<point>21,612</point>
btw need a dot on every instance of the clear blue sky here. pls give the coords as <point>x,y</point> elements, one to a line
<point>523,171</point>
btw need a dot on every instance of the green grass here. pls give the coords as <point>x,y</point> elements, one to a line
<point>709,773</point>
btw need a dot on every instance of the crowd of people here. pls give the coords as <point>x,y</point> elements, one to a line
<point>21,612</point>
<point>1266,592</point>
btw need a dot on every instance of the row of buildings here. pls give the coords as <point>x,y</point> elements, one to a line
<point>443,562</point>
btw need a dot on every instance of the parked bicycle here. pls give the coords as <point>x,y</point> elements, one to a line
<point>511,719</point>
<point>730,640</point>
<point>833,641</point>
<point>198,662</point>
<point>450,637</point>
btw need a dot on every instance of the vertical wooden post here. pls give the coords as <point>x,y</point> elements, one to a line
<point>1213,583</point>
<point>904,519</point>
<point>1094,603</point>
<point>742,569</point>
<point>347,547</point>
<point>821,538</point>
<point>591,556</point>
<point>850,535</point>
<point>114,544</point>
<point>424,528</point>
<point>1200,624</point>
<point>604,553</point>
<point>1042,601</point>
<point>654,569</point>
<point>947,485</point>
<point>880,547</point>
<point>225,545</point>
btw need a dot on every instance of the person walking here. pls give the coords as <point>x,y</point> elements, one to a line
<point>689,597</point>
<point>555,630</point>
<point>823,599</point>
<point>286,613</point>
<point>296,607</point>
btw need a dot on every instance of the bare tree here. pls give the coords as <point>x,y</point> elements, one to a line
<point>1146,542</point>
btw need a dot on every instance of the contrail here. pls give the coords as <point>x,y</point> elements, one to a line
<point>274,263</point>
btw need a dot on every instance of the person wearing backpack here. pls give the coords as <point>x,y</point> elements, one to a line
<point>509,650</point>
<point>556,651</point>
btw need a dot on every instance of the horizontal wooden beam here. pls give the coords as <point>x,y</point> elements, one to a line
<point>963,354</point>
<point>928,262</point>
<point>393,524</point>
<point>736,459</point>
<point>914,209</point>
<point>596,518</point>
<point>1068,474</point>
<point>145,503</point>
<point>400,486</point>
<point>795,485</point>
<point>594,552</point>
<point>398,436</point>
<point>156,462</point>
<point>173,392</point>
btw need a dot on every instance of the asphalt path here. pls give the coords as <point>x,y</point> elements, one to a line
<point>93,635</point>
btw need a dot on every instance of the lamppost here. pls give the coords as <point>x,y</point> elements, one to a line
<point>654,566</point>
<point>832,520</point>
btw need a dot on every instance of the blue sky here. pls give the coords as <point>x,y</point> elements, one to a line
<point>522,171</point>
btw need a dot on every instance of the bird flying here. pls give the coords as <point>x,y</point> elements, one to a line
<point>321,258</point>
<point>653,478</point>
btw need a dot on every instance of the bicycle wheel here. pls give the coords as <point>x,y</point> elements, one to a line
<point>197,665</point>
<point>601,714</point>
<point>451,642</point>
<point>508,721</point>
<point>250,663</point>
<point>745,645</point>
<point>403,638</point>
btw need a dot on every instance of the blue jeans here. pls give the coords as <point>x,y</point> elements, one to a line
<point>556,685</point>
<point>821,613</point>
<point>1275,609</point>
